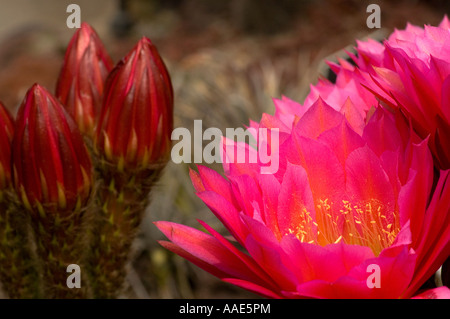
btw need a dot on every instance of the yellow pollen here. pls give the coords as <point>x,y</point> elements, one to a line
<point>367,224</point>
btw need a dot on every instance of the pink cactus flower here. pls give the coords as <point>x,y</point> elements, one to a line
<point>411,71</point>
<point>342,204</point>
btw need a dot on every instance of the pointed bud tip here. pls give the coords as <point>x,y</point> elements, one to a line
<point>82,77</point>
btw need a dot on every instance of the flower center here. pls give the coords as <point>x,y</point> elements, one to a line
<point>368,225</point>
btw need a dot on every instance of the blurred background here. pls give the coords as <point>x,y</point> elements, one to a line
<point>227,60</point>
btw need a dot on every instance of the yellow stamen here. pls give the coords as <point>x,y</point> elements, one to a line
<point>367,224</point>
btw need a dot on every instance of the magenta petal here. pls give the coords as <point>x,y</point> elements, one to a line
<point>294,196</point>
<point>196,181</point>
<point>270,122</point>
<point>247,193</point>
<point>433,246</point>
<point>325,173</point>
<point>252,287</point>
<point>353,116</point>
<point>260,277</point>
<point>215,182</point>
<point>238,158</point>
<point>328,263</point>
<point>446,99</point>
<point>344,288</point>
<point>270,188</point>
<point>414,195</point>
<point>193,259</point>
<point>225,212</point>
<point>381,133</point>
<point>436,293</point>
<point>265,250</point>
<point>372,50</point>
<point>342,139</point>
<point>319,118</point>
<point>267,124</point>
<point>374,185</point>
<point>403,239</point>
<point>445,23</point>
<point>390,161</point>
<point>395,273</point>
<point>204,250</point>
<point>413,198</point>
<point>286,110</point>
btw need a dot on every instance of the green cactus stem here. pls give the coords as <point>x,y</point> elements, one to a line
<point>18,268</point>
<point>60,242</point>
<point>121,201</point>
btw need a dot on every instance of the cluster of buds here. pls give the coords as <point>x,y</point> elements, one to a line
<point>80,166</point>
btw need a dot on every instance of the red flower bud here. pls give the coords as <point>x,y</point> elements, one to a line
<point>6,136</point>
<point>52,167</point>
<point>136,119</point>
<point>82,77</point>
